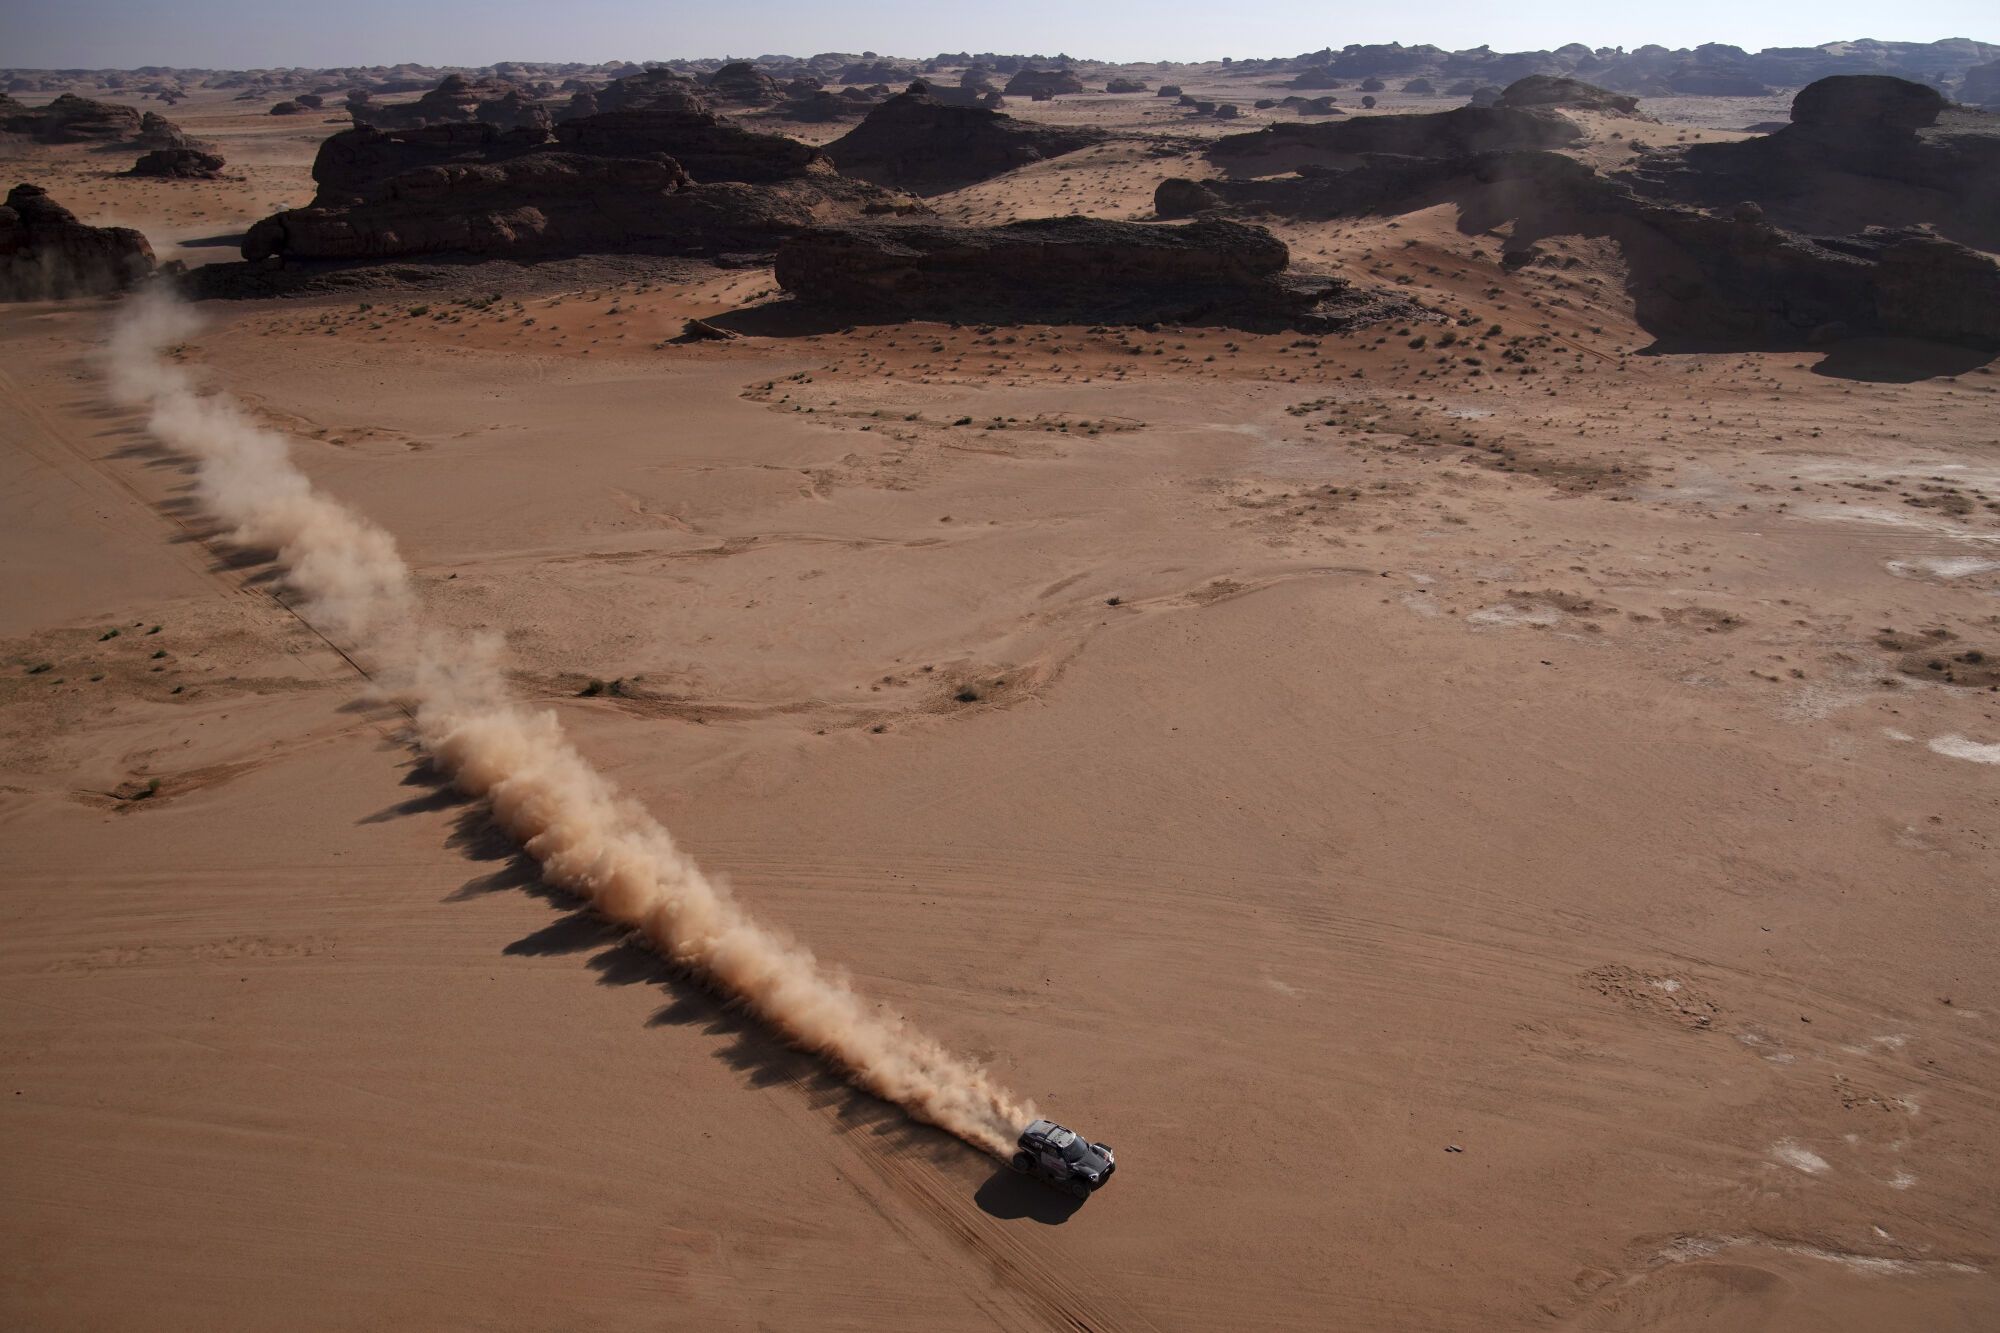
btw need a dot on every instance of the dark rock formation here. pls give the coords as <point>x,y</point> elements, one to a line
<point>1073,269</point>
<point>70,119</point>
<point>1692,273</point>
<point>458,101</point>
<point>1981,86</point>
<point>1125,86</point>
<point>310,101</point>
<point>541,203</point>
<point>1420,88</point>
<point>1320,77</point>
<point>1167,90</point>
<point>743,84</point>
<point>287,109</point>
<point>156,131</point>
<point>1860,149</point>
<point>916,142</point>
<point>1553,91</point>
<point>46,254</point>
<point>186,164</point>
<point>1046,83</point>
<point>876,71</point>
<point>660,173</point>
<point>1867,104</point>
<point>1456,133</point>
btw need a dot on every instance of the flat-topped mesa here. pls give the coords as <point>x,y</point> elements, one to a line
<point>1456,133</point>
<point>1073,269</point>
<point>918,141</point>
<point>457,101</point>
<point>46,254</point>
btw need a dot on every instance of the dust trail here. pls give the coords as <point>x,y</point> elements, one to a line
<point>350,582</point>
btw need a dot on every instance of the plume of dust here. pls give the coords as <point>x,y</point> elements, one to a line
<point>589,839</point>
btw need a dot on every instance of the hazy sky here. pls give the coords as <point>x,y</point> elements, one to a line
<point>231,34</point>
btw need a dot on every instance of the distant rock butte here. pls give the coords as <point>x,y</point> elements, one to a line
<point>917,141</point>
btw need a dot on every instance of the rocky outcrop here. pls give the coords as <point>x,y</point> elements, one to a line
<point>1692,273</point>
<point>1320,77</point>
<point>538,204</point>
<point>1122,85</point>
<point>743,84</point>
<point>70,119</point>
<point>457,101</point>
<point>1073,269</point>
<point>660,173</point>
<point>667,116</point>
<point>46,254</point>
<point>184,164</point>
<point>156,131</point>
<point>1981,86</point>
<point>1859,149</point>
<point>1043,83</point>
<point>876,71</point>
<point>914,141</point>
<point>287,109</point>
<point>1456,133</point>
<point>1546,90</point>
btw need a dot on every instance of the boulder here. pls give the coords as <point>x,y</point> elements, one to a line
<point>1167,90</point>
<point>1420,88</point>
<point>1179,197</point>
<point>287,109</point>
<point>915,141</point>
<point>187,164</point>
<point>46,254</point>
<point>1125,86</point>
<point>1319,77</point>
<point>1072,269</point>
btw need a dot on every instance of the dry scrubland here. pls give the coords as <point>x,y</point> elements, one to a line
<point>1476,814</point>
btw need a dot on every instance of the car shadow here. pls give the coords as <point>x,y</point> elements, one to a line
<point>1007,1194</point>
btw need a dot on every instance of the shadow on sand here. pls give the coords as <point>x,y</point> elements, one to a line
<point>619,957</point>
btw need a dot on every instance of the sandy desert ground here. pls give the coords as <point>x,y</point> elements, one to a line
<point>1489,848</point>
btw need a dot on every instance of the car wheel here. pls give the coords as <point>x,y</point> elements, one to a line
<point>1019,1162</point>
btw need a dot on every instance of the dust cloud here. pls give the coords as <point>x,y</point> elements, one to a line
<point>347,579</point>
